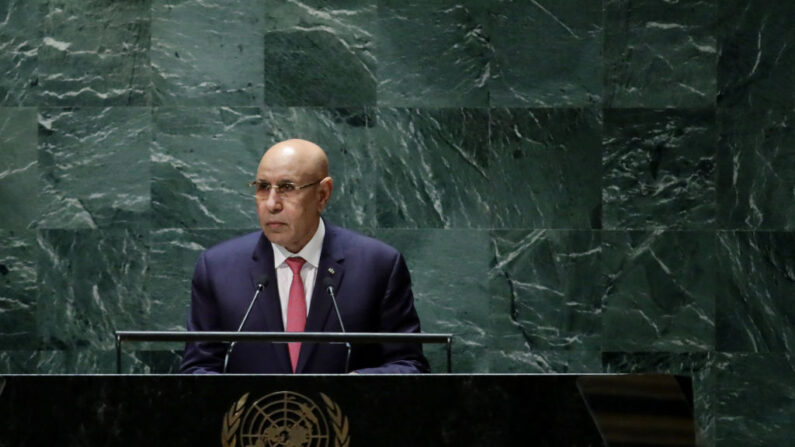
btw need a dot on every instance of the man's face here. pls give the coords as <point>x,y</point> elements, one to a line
<point>290,220</point>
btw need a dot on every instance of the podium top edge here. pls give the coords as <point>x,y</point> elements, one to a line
<point>335,337</point>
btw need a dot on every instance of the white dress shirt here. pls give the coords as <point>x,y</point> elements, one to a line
<point>284,276</point>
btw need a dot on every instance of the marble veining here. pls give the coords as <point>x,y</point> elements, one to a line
<point>432,167</point>
<point>19,168</point>
<point>659,169</point>
<point>94,174</point>
<point>91,282</point>
<point>756,169</point>
<point>536,303</point>
<point>450,300</point>
<point>541,168</point>
<point>755,399</point>
<point>560,40</point>
<point>755,310</point>
<point>18,290</point>
<point>95,53</point>
<point>432,54</point>
<point>659,291</point>
<point>191,186</point>
<point>755,56</point>
<point>20,42</point>
<point>320,54</point>
<point>191,66</point>
<point>660,54</point>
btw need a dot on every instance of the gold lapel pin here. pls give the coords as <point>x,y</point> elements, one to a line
<point>331,270</point>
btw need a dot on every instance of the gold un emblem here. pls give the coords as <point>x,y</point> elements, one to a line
<point>285,419</point>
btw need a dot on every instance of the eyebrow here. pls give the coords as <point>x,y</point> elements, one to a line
<point>283,181</point>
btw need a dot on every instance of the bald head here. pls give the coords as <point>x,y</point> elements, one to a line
<point>306,155</point>
<point>290,215</point>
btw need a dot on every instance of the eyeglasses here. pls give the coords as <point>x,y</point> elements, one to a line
<point>263,189</point>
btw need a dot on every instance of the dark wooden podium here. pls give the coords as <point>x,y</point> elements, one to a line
<point>346,410</point>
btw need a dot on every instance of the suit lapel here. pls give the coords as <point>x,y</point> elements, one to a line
<point>321,308</point>
<point>267,311</point>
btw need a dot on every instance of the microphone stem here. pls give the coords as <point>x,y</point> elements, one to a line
<point>245,317</point>
<point>336,309</point>
<point>342,327</point>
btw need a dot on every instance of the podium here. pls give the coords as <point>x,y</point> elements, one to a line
<point>346,410</point>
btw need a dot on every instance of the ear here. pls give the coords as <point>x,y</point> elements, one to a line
<point>324,189</point>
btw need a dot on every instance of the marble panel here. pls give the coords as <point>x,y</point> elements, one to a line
<point>659,169</point>
<point>544,168</point>
<point>345,136</point>
<point>97,361</point>
<point>756,55</point>
<point>152,361</point>
<point>92,282</point>
<point>74,361</point>
<point>320,53</point>
<point>433,53</point>
<point>95,52</point>
<point>659,291</point>
<point>756,169</point>
<point>449,271</point>
<point>207,52</point>
<point>19,175</point>
<point>660,54</point>
<point>202,161</point>
<point>20,41</point>
<point>755,306</point>
<point>89,361</point>
<point>508,360</point>
<point>544,53</point>
<point>18,287</point>
<point>94,166</point>
<point>755,399</point>
<point>92,361</point>
<point>173,254</point>
<point>19,362</point>
<point>433,168</point>
<point>544,296</point>
<point>699,366</point>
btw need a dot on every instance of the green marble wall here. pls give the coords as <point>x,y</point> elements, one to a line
<point>578,186</point>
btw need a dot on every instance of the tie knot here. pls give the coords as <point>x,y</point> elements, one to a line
<point>295,264</point>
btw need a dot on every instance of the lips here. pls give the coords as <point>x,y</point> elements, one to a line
<point>275,225</point>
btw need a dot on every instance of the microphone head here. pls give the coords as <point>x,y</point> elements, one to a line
<point>262,281</point>
<point>328,282</point>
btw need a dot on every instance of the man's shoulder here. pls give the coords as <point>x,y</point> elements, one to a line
<point>352,241</point>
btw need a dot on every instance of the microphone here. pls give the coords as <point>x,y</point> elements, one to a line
<point>329,284</point>
<point>262,281</point>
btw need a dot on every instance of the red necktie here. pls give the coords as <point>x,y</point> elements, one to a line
<point>296,308</point>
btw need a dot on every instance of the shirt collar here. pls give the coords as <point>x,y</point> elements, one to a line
<point>310,252</point>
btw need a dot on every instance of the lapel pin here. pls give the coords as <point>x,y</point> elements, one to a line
<point>331,270</point>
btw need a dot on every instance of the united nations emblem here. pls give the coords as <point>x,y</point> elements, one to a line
<point>285,419</point>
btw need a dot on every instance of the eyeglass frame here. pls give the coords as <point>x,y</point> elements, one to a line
<point>278,188</point>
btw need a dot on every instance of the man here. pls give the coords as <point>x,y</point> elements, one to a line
<point>294,257</point>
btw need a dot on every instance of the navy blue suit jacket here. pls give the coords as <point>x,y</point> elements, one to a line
<point>373,290</point>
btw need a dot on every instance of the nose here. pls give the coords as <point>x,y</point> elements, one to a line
<point>273,201</point>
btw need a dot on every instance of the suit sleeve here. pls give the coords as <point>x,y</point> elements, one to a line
<point>202,358</point>
<point>398,314</point>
